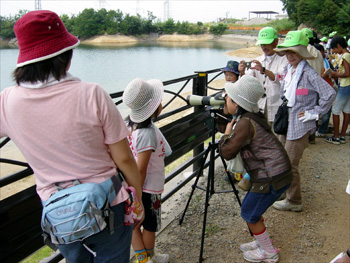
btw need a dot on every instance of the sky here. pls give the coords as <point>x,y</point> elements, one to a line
<point>179,10</point>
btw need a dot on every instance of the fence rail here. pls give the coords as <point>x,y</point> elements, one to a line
<point>20,214</point>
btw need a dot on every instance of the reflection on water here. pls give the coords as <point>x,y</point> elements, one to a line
<point>113,66</point>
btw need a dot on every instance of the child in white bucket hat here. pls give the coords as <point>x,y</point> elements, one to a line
<point>149,147</point>
<point>264,159</point>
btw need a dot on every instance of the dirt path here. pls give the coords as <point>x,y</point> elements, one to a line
<point>317,234</point>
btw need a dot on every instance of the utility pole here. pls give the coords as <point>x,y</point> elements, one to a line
<point>101,4</point>
<point>166,10</point>
<point>37,4</point>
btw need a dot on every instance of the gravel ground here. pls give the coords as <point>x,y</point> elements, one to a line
<point>317,234</point>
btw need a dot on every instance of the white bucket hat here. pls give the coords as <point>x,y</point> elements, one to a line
<point>246,92</point>
<point>143,98</point>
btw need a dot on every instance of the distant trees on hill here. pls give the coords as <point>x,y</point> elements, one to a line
<point>324,15</point>
<point>90,23</point>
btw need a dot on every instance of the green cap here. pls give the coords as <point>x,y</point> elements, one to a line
<point>266,36</point>
<point>294,38</point>
<point>332,34</point>
<point>324,39</point>
<point>308,32</point>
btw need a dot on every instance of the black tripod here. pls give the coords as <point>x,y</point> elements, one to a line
<point>213,146</point>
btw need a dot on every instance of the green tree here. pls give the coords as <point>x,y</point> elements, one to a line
<point>6,27</point>
<point>131,25</point>
<point>113,19</point>
<point>7,24</point>
<point>183,28</point>
<point>218,29</point>
<point>169,26</point>
<point>100,20</point>
<point>68,22</point>
<point>85,25</point>
<point>324,15</point>
<point>148,25</point>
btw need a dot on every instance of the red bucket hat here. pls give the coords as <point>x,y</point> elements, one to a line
<point>42,35</point>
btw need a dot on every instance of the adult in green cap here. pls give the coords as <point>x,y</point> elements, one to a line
<point>316,63</point>
<point>324,41</point>
<point>308,96</point>
<point>297,42</point>
<point>332,34</point>
<point>307,32</point>
<point>268,69</point>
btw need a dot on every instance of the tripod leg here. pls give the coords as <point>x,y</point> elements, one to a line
<point>207,197</point>
<point>194,186</point>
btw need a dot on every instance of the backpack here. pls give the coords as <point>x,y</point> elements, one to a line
<point>75,213</point>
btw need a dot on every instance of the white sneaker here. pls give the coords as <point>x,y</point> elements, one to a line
<point>320,135</point>
<point>285,205</point>
<point>260,255</point>
<point>160,258</point>
<point>249,246</point>
<point>347,132</point>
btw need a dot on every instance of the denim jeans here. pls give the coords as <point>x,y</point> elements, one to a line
<point>342,101</point>
<point>109,248</point>
<point>323,128</point>
<point>254,205</point>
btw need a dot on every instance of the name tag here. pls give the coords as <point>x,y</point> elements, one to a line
<point>301,92</point>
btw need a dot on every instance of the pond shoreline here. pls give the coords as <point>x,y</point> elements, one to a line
<point>247,42</point>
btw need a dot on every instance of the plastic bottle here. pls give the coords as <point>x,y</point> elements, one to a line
<point>245,184</point>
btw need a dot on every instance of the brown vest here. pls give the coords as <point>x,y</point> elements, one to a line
<point>264,157</point>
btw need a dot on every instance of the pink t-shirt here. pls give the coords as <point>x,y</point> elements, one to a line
<point>63,131</point>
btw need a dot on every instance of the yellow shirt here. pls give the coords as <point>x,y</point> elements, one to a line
<point>344,82</point>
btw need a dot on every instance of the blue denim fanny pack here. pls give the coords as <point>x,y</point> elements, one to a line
<point>75,213</point>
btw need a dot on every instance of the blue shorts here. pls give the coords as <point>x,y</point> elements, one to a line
<point>109,248</point>
<point>254,205</point>
<point>342,101</point>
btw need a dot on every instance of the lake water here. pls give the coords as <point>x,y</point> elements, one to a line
<point>113,67</point>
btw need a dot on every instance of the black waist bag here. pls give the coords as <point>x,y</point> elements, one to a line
<point>280,125</point>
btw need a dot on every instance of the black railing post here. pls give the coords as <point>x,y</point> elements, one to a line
<point>199,88</point>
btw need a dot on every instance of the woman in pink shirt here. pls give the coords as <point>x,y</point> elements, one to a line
<point>67,129</point>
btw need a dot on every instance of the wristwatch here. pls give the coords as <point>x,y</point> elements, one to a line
<point>263,71</point>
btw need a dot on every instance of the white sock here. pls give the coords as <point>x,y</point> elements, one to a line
<point>264,240</point>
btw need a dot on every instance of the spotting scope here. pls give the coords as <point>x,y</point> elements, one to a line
<point>217,100</point>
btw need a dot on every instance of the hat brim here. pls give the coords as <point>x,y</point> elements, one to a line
<point>264,42</point>
<point>301,50</point>
<point>230,69</point>
<point>139,115</point>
